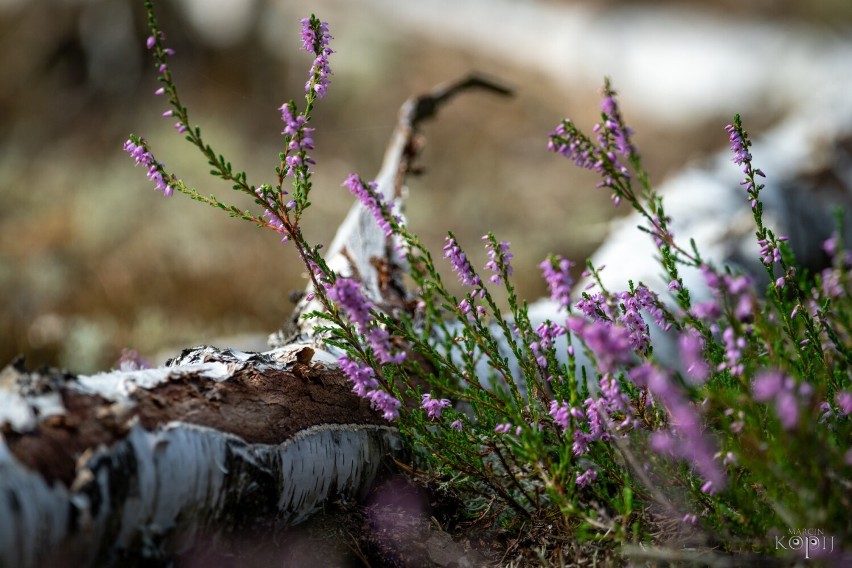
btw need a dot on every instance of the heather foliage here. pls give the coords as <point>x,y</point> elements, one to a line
<point>575,421</point>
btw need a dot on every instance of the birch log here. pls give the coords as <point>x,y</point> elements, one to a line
<point>97,468</point>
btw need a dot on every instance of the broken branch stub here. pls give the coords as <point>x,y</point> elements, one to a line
<point>360,248</point>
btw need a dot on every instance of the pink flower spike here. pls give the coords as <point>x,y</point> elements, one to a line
<point>162,68</point>
<point>150,42</point>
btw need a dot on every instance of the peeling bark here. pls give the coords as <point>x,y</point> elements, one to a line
<point>124,459</point>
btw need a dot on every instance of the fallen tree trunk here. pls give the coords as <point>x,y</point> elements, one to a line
<point>96,467</point>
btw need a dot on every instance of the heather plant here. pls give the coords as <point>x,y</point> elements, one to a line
<point>575,422</point>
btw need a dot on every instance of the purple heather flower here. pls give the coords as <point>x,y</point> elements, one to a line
<point>832,284</point>
<point>737,285</point>
<point>614,134</point>
<point>556,271</point>
<point>346,292</point>
<point>315,38</point>
<point>691,346</point>
<point>433,406</point>
<point>775,386</point>
<point>366,386</point>
<point>685,438</point>
<point>560,414</point>
<point>499,259</point>
<point>580,445</point>
<point>597,306</point>
<point>546,332</point>
<point>387,404</point>
<point>309,36</point>
<point>150,42</point>
<point>691,519</point>
<point>711,277</point>
<point>461,265</point>
<point>734,346</point>
<point>640,299</point>
<point>707,311</point>
<point>739,145</point>
<point>830,245</point>
<point>465,308</point>
<point>362,377</point>
<point>610,343</point>
<point>613,137</point>
<point>612,399</point>
<point>160,91</point>
<point>587,477</point>
<point>143,157</point>
<point>457,424</point>
<point>596,415</point>
<point>575,146</point>
<point>595,419</point>
<point>273,218</point>
<point>503,428</point>
<point>369,198</point>
<point>299,139</point>
<point>769,252</point>
<point>379,340</point>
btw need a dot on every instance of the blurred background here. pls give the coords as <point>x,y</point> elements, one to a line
<point>93,259</point>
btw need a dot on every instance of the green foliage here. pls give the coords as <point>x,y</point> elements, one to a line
<point>562,422</point>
